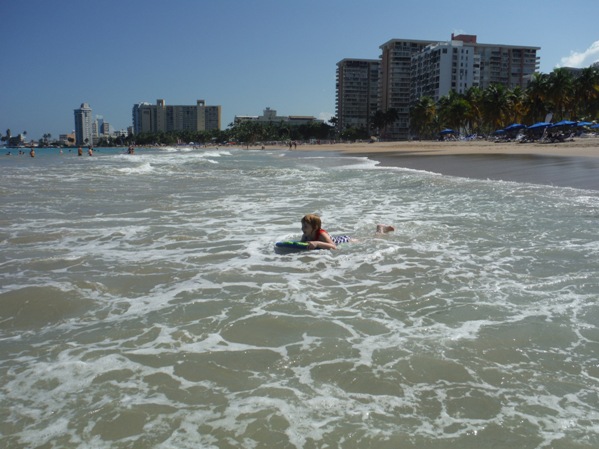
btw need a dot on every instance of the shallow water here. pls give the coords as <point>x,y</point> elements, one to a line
<point>142,304</point>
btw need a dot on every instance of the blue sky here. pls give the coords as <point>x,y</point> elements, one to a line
<point>244,55</point>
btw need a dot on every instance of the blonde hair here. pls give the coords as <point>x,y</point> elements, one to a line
<point>313,220</point>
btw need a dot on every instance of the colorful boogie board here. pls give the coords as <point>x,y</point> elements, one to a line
<point>292,244</point>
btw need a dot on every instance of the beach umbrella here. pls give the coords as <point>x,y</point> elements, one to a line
<point>584,123</point>
<point>595,126</point>
<point>563,123</point>
<point>447,131</point>
<point>514,127</point>
<point>539,125</point>
<point>499,131</point>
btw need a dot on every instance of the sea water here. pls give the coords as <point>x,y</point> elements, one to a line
<point>143,305</point>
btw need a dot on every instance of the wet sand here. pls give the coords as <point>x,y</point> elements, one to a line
<point>566,164</point>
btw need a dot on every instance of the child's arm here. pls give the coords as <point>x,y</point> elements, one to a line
<point>324,242</point>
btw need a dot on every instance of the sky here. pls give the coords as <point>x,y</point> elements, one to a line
<point>244,55</point>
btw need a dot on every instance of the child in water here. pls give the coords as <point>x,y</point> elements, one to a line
<point>318,238</point>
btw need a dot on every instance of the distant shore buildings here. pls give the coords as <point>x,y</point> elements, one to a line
<point>270,116</point>
<point>409,69</point>
<point>160,117</point>
<point>89,131</point>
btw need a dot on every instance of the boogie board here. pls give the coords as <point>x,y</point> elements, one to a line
<point>292,244</point>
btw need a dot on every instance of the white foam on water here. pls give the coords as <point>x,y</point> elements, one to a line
<point>139,169</point>
<point>477,313</point>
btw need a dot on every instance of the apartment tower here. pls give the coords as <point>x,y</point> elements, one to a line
<point>148,118</point>
<point>396,83</point>
<point>83,125</point>
<point>357,92</point>
<point>444,67</point>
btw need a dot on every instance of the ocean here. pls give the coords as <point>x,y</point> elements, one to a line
<point>143,305</point>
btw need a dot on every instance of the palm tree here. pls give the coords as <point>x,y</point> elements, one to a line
<point>536,94</point>
<point>517,105</point>
<point>454,110</point>
<point>474,97</point>
<point>561,92</point>
<point>390,116</point>
<point>495,106</point>
<point>422,117</point>
<point>377,122</point>
<point>586,93</point>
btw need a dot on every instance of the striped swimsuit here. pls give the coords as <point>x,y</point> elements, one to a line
<point>338,239</point>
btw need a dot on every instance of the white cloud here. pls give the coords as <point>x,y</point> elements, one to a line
<point>582,59</point>
<point>326,116</point>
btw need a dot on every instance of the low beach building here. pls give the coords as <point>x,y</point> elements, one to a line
<point>270,116</point>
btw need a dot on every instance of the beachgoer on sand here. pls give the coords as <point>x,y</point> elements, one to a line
<point>318,238</point>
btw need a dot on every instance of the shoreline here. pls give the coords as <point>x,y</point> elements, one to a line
<point>572,164</point>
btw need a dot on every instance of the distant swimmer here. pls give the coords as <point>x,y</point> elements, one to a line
<point>90,151</point>
<point>131,149</point>
<point>32,152</point>
<point>79,152</point>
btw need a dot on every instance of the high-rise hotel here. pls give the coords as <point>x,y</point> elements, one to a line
<point>410,69</point>
<point>357,92</point>
<point>83,125</point>
<point>148,118</point>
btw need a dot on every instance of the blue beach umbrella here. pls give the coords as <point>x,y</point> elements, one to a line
<point>563,123</point>
<point>447,131</point>
<point>514,127</point>
<point>539,125</point>
<point>596,126</point>
<point>584,123</point>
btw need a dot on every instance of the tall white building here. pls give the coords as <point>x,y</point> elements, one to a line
<point>444,67</point>
<point>83,125</point>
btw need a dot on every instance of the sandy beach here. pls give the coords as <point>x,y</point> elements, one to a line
<point>567,164</point>
<point>579,147</point>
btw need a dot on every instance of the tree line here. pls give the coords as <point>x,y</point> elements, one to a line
<point>482,111</point>
<point>245,132</point>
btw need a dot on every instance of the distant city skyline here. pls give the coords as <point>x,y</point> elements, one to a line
<point>244,56</point>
